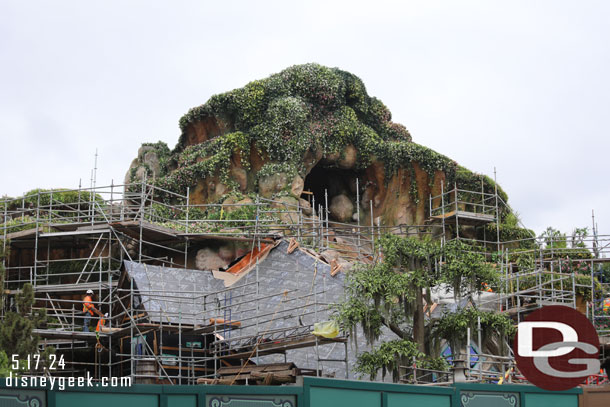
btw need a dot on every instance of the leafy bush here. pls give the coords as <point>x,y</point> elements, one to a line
<point>60,196</point>
<point>453,326</point>
<point>387,357</point>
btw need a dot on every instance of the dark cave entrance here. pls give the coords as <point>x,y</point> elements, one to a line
<point>338,183</point>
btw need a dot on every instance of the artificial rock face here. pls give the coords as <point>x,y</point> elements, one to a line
<point>306,129</point>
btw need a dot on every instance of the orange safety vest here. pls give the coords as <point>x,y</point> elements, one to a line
<point>87,304</point>
<point>100,324</point>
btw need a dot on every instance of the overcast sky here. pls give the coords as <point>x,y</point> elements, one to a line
<point>522,86</point>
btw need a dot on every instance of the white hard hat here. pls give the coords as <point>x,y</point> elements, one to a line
<point>89,291</point>
<point>106,315</point>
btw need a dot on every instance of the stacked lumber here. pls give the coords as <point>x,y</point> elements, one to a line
<point>269,374</point>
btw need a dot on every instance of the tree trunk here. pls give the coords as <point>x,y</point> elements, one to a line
<point>419,335</point>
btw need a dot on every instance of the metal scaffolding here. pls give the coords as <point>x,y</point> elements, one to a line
<point>65,246</point>
<point>65,242</point>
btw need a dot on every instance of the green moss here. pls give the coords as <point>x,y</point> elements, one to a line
<point>472,181</point>
<point>209,158</point>
<point>308,108</point>
<point>60,196</point>
<point>240,217</point>
<point>398,154</point>
<point>378,114</point>
<point>164,155</point>
<point>284,135</point>
<point>20,223</point>
<point>510,233</point>
<point>277,168</point>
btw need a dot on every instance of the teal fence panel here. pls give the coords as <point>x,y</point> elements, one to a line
<point>551,400</point>
<point>22,398</point>
<point>489,398</point>
<point>329,397</point>
<point>331,392</point>
<point>181,400</point>
<point>410,399</point>
<point>249,400</point>
<point>314,392</point>
<point>95,399</point>
<point>511,395</point>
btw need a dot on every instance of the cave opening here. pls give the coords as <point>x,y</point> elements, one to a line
<point>340,184</point>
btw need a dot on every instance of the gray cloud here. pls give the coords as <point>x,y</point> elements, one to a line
<point>521,85</point>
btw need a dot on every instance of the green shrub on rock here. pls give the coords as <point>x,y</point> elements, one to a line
<point>303,111</point>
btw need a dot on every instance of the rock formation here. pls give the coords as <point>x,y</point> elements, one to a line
<point>307,128</point>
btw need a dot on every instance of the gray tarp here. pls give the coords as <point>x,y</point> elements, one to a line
<point>294,291</point>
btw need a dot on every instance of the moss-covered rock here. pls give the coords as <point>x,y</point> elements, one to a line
<point>268,135</point>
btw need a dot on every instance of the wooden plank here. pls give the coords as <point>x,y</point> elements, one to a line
<point>269,348</point>
<point>23,233</point>
<point>268,379</point>
<point>184,349</point>
<point>74,233</point>
<point>203,380</point>
<point>187,368</point>
<point>273,378</point>
<point>150,231</point>
<point>250,259</point>
<point>465,218</point>
<point>254,368</point>
<point>207,236</point>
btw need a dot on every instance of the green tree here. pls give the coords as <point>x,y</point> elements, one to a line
<point>554,239</point>
<point>16,332</point>
<point>452,327</point>
<point>17,328</point>
<point>5,367</point>
<point>391,293</point>
<point>579,235</point>
<point>465,270</point>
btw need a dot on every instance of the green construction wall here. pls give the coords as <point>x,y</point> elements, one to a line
<point>91,399</point>
<point>551,400</point>
<point>406,399</point>
<point>329,397</point>
<point>75,399</point>
<point>333,393</point>
<point>484,395</point>
<point>182,401</point>
<point>314,392</point>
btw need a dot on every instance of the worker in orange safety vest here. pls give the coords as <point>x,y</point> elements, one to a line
<point>101,323</point>
<point>607,304</point>
<point>88,309</point>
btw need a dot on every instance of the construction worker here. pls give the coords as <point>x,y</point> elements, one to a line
<point>606,366</point>
<point>88,309</point>
<point>98,328</point>
<point>101,323</point>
